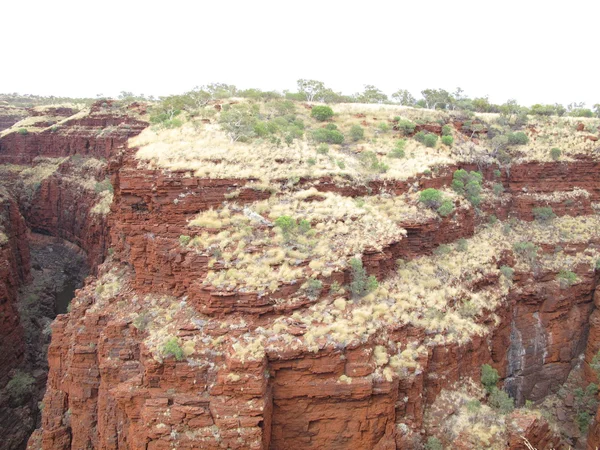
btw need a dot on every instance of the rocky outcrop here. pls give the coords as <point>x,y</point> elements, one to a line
<point>14,270</point>
<point>109,386</point>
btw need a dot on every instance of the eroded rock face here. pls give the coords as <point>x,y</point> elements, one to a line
<point>107,389</point>
<point>14,270</point>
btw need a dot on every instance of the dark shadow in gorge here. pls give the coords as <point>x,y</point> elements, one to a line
<point>58,268</point>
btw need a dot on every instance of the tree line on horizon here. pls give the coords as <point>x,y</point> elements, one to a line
<point>317,91</point>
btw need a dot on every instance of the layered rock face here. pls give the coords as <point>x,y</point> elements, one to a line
<point>153,357</point>
<point>47,192</point>
<point>105,368</point>
<point>14,270</point>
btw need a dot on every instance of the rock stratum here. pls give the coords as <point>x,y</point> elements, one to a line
<point>204,325</point>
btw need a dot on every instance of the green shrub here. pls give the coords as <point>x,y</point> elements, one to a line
<point>322,149</point>
<point>447,130</point>
<point>446,208</point>
<point>370,160</point>
<point>462,245</point>
<point>406,127</point>
<point>430,140</point>
<point>497,173</point>
<point>420,136</point>
<point>473,406</point>
<point>468,184</point>
<point>489,377</point>
<point>171,348</point>
<point>443,249</point>
<point>383,127</point>
<point>527,250</point>
<point>583,419</point>
<point>447,140</point>
<point>357,133</point>
<point>566,278</point>
<point>543,214</point>
<point>23,131</point>
<point>321,113</point>
<point>497,188</point>
<point>555,154</point>
<point>313,288</point>
<point>432,198</point>
<point>184,239</point>
<point>20,386</point>
<point>501,401</point>
<point>141,321</point>
<point>508,272</point>
<point>104,185</point>
<point>361,284</point>
<point>518,138</point>
<point>434,443</point>
<point>330,136</point>
<point>286,224</point>
<point>398,150</point>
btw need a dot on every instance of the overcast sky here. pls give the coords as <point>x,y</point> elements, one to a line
<point>534,51</point>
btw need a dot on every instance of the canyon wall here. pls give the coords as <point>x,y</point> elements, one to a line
<point>103,373</point>
<point>108,389</point>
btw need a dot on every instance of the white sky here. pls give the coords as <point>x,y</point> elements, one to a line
<point>534,51</point>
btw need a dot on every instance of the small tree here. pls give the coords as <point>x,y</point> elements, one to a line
<point>311,89</point>
<point>489,377</point>
<point>361,284</point>
<point>238,121</point>
<point>404,97</point>
<point>321,113</point>
<point>432,198</point>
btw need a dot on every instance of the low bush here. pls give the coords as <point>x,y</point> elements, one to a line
<point>501,401</point>
<point>508,272</point>
<point>330,136</point>
<point>23,131</point>
<point>357,133</point>
<point>432,198</point>
<point>566,278</point>
<point>555,154</point>
<point>518,138</point>
<point>447,130</point>
<point>172,348</point>
<point>468,184</point>
<point>370,161</point>
<point>313,288</point>
<point>446,208</point>
<point>406,127</point>
<point>527,250</point>
<point>321,113</point>
<point>543,214</point>
<point>434,443</point>
<point>398,150</point>
<point>20,386</point>
<point>430,140</point>
<point>447,140</point>
<point>497,188</point>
